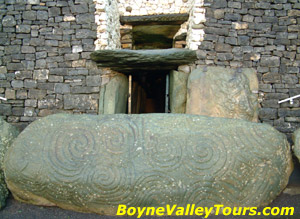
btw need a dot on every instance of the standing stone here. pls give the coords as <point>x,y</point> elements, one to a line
<point>296,147</point>
<point>7,134</point>
<point>113,95</point>
<point>223,92</point>
<point>178,91</point>
<point>94,163</point>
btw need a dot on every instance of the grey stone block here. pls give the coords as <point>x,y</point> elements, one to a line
<point>30,83</point>
<point>21,94</point>
<point>79,9</point>
<point>268,113</point>
<point>17,84</point>
<point>23,28</point>
<point>270,61</point>
<point>37,94</point>
<point>28,49</point>
<point>29,15</point>
<point>42,15</point>
<point>5,109</point>
<point>221,47</point>
<point>85,19</point>
<point>61,88</point>
<point>71,56</point>
<point>3,70</point>
<point>79,101</point>
<point>9,21</point>
<point>85,33</point>
<point>93,81</point>
<point>30,103</point>
<point>84,90</point>
<point>54,11</point>
<point>41,74</point>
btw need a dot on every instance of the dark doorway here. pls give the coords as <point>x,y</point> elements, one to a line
<point>148,93</point>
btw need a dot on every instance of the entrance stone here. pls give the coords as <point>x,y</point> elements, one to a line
<point>223,92</point>
<point>94,163</point>
<point>113,95</point>
<point>7,134</point>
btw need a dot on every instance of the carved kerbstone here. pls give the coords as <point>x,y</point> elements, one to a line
<point>94,163</point>
<point>7,134</point>
<point>223,92</point>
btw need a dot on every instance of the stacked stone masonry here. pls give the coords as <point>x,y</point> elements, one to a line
<point>44,58</point>
<point>45,66</point>
<point>264,35</point>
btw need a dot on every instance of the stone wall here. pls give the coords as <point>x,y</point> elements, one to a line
<point>263,35</point>
<point>45,66</point>
<point>45,45</point>
<point>108,24</point>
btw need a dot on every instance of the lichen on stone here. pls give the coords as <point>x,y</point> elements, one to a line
<point>7,134</point>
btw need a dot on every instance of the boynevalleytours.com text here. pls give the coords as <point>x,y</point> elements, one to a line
<point>192,210</point>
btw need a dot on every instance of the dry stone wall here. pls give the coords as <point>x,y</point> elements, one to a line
<point>264,35</point>
<point>45,66</point>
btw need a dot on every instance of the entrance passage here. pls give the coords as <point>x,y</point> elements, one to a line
<point>148,93</point>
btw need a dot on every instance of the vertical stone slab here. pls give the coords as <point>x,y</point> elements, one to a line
<point>7,134</point>
<point>178,91</point>
<point>296,147</point>
<point>223,92</point>
<point>113,95</point>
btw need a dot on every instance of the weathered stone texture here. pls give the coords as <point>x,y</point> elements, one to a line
<point>178,91</point>
<point>223,92</point>
<point>113,95</point>
<point>94,163</point>
<point>128,61</point>
<point>44,52</point>
<point>296,139</point>
<point>262,35</point>
<point>7,134</point>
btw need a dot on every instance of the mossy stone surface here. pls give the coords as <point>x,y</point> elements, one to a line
<point>94,163</point>
<point>7,134</point>
<point>223,92</point>
<point>296,147</point>
<point>113,95</point>
<point>178,91</point>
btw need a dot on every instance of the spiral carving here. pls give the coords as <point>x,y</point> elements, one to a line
<point>164,151</point>
<point>118,137</point>
<point>70,152</point>
<point>110,184</point>
<point>204,193</point>
<point>156,189</point>
<point>206,155</point>
<point>92,163</point>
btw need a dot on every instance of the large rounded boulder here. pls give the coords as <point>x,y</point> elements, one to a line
<point>94,163</point>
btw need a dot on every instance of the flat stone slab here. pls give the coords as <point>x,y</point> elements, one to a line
<point>7,134</point>
<point>223,92</point>
<point>150,19</point>
<point>94,163</point>
<point>296,147</point>
<point>131,61</point>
